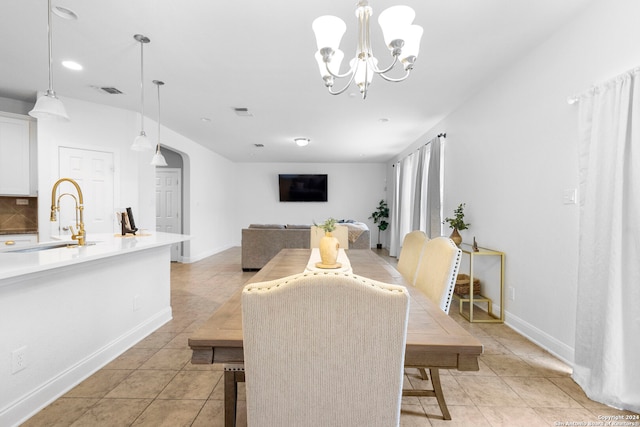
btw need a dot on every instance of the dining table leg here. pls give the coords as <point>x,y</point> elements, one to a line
<point>233,373</point>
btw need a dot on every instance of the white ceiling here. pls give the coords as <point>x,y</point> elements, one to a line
<point>217,55</point>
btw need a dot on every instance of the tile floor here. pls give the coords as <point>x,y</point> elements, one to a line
<point>154,383</point>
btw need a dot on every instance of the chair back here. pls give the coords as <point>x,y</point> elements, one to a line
<point>324,349</point>
<point>410,255</point>
<point>438,269</point>
<point>341,233</point>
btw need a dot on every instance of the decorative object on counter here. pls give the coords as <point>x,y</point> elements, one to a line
<point>457,223</point>
<point>475,245</point>
<point>127,223</point>
<point>379,217</point>
<point>328,245</point>
<point>141,143</point>
<point>49,106</point>
<point>158,158</point>
<point>79,234</point>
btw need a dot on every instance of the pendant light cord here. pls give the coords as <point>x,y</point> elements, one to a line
<point>142,86</point>
<point>158,84</point>
<point>50,91</point>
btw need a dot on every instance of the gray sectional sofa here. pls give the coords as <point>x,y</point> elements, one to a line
<point>261,242</point>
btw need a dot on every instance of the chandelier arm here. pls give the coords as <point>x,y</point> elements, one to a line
<point>394,80</point>
<point>345,86</point>
<point>341,76</point>
<point>385,70</point>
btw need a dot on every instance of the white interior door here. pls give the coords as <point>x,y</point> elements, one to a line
<point>94,172</point>
<point>169,204</point>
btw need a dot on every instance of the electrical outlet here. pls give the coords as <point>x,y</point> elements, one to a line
<point>18,359</point>
<point>512,293</point>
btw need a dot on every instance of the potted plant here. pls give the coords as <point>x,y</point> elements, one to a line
<point>328,226</point>
<point>457,223</point>
<point>379,218</point>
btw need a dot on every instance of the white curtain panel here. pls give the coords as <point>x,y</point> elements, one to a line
<point>607,347</point>
<point>394,242</point>
<point>417,196</point>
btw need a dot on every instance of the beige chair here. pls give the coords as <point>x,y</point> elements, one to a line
<point>410,254</point>
<point>317,344</point>
<point>341,233</point>
<point>436,277</point>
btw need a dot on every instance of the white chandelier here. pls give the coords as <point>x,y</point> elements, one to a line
<point>401,37</point>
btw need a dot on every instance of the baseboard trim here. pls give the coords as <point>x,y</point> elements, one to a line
<point>203,255</point>
<point>554,346</point>
<point>28,405</point>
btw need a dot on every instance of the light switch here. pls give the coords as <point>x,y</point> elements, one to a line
<point>570,196</point>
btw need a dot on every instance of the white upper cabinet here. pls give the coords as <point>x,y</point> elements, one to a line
<point>17,154</point>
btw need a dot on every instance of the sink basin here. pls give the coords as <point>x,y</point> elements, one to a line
<point>48,246</point>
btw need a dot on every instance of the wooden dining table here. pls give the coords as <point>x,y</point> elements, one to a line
<point>434,339</point>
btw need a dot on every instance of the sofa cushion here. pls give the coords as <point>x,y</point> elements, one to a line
<point>298,226</point>
<point>271,226</point>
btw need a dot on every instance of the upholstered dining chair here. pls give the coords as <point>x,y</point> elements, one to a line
<point>341,233</point>
<point>316,343</point>
<point>436,278</point>
<point>410,254</point>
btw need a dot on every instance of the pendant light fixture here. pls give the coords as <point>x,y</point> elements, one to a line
<point>141,143</point>
<point>48,106</point>
<point>158,158</point>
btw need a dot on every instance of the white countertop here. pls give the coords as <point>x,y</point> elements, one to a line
<point>13,264</point>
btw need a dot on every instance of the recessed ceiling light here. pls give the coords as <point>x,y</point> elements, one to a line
<point>301,142</point>
<point>205,119</point>
<point>64,13</point>
<point>72,65</point>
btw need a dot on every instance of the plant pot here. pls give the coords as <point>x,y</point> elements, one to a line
<point>379,246</point>
<point>456,237</point>
<point>329,249</point>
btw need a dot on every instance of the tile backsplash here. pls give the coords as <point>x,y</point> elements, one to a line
<point>18,215</point>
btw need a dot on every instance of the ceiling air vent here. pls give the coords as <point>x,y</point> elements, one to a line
<point>243,112</point>
<point>111,90</point>
<point>259,145</point>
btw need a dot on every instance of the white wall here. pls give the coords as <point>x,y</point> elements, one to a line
<point>354,191</point>
<point>511,152</point>
<point>209,201</point>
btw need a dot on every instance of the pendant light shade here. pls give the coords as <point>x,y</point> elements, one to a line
<point>158,158</point>
<point>141,143</point>
<point>48,106</point>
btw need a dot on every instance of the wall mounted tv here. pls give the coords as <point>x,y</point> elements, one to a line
<point>303,188</point>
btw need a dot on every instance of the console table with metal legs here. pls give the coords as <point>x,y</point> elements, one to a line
<point>470,298</point>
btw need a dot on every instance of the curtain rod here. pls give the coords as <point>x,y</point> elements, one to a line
<point>440,135</point>
<point>572,99</point>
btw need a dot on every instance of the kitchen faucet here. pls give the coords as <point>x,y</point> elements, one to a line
<point>55,206</point>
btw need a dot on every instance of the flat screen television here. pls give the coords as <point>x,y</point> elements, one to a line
<point>303,188</point>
